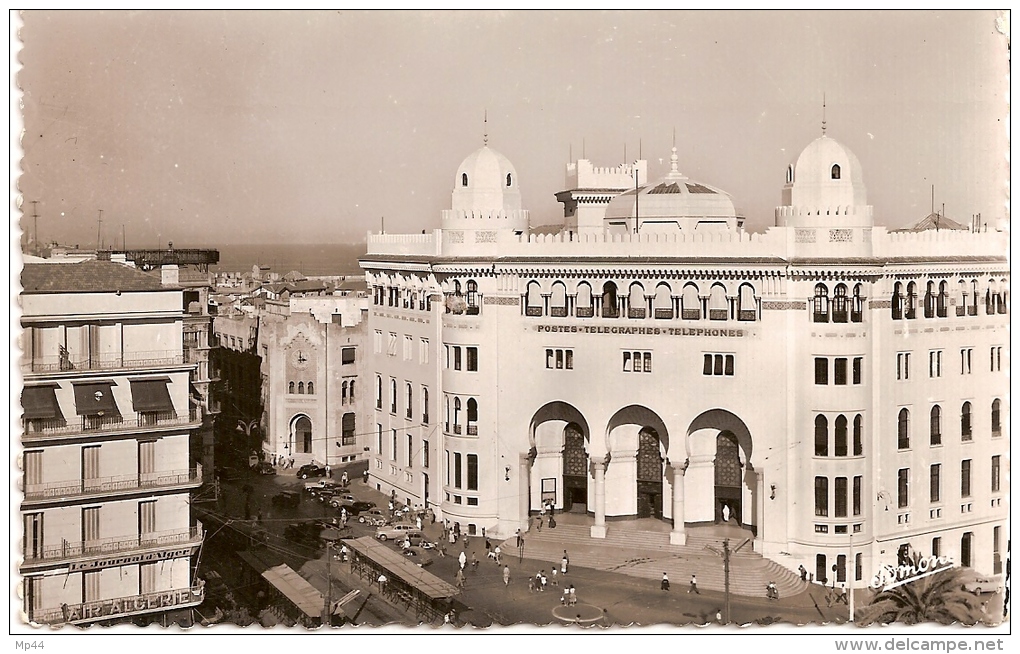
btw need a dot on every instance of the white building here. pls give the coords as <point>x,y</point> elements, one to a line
<point>312,382</point>
<point>838,391</point>
<point>107,476</point>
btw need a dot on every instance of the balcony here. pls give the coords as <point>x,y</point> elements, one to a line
<point>101,486</point>
<point>457,429</point>
<point>121,607</point>
<point>558,312</point>
<point>663,314</point>
<point>472,430</point>
<point>88,425</point>
<point>125,360</point>
<point>533,311</point>
<point>636,313</point>
<point>68,551</point>
<point>718,314</point>
<point>746,315</point>
<point>691,314</point>
<point>585,312</point>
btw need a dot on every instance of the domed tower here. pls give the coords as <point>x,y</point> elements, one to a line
<point>486,194</point>
<point>825,188</point>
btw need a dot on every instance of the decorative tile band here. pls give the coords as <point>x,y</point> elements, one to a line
<point>783,306</point>
<point>503,301</point>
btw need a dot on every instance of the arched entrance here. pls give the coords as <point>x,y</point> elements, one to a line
<point>649,475</point>
<point>727,478</point>
<point>575,469</point>
<point>302,435</point>
<point>557,460</point>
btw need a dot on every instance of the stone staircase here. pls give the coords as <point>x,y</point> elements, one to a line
<point>647,554</point>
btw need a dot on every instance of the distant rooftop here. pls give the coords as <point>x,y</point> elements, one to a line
<point>86,277</point>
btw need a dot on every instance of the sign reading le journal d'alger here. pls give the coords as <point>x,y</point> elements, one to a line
<point>148,557</point>
<point>644,331</point>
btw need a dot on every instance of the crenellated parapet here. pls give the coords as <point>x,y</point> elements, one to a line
<point>583,175</point>
<point>486,220</point>
<point>828,216</point>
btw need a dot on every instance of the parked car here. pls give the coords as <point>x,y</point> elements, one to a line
<point>350,508</point>
<point>325,494</point>
<point>979,583</point>
<point>348,498</point>
<point>419,556</point>
<point>287,498</point>
<point>311,470</point>
<point>373,517</point>
<point>320,484</point>
<point>226,473</point>
<point>264,468</point>
<point>362,506</point>
<point>413,539</point>
<point>395,532</point>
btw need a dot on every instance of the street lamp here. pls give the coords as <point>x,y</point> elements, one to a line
<point>247,427</point>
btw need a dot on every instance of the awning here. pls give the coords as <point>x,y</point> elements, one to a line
<point>40,403</point>
<point>150,395</point>
<point>95,399</point>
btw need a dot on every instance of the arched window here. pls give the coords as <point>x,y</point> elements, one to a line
<point>352,390</point>
<point>821,436</point>
<point>717,303</point>
<point>463,179</point>
<point>910,311</point>
<point>446,408</point>
<point>840,448</point>
<point>972,309</point>
<point>472,297</point>
<point>835,171</point>
<point>636,301</point>
<point>942,301</point>
<point>1003,289</point>
<point>424,406</point>
<point>690,303</point>
<point>996,418</point>
<point>343,393</point>
<point>840,304</point>
<point>858,435</point>
<point>393,396</point>
<point>558,301</point>
<point>991,298</point>
<point>961,298</point>
<point>903,430</point>
<point>857,308</point>
<point>456,415</point>
<point>747,308</point>
<point>897,301</point>
<point>303,435</point>
<point>472,417</point>
<point>409,411</point>
<point>457,288</point>
<point>662,304</point>
<point>965,426</point>
<point>533,303</point>
<point>290,388</point>
<point>935,425</point>
<point>585,308</point>
<point>820,304</point>
<point>509,180</point>
<point>311,388</point>
<point>610,306</point>
<point>929,300</point>
<point>789,174</point>
<point>378,392</point>
<point>301,388</point>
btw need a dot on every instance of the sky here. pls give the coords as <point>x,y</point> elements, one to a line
<point>206,128</point>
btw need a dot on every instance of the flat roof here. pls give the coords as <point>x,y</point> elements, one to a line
<point>293,586</point>
<point>423,581</point>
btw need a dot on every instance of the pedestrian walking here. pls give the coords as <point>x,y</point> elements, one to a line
<point>564,563</point>
<point>343,553</point>
<point>573,595</point>
<point>496,553</point>
<point>452,538</point>
<point>506,575</point>
<point>329,472</point>
<point>520,540</point>
<point>664,585</point>
<point>462,559</point>
<point>554,580</point>
<point>488,545</point>
<point>694,586</point>
<point>531,584</point>
<point>545,581</point>
<point>344,479</point>
<point>460,578</point>
<point>539,523</point>
<point>474,561</point>
<point>382,583</point>
<point>417,523</point>
<point>803,573</point>
<point>566,597</point>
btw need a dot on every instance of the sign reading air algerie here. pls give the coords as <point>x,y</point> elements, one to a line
<point>149,557</point>
<point>891,576</point>
<point>644,331</point>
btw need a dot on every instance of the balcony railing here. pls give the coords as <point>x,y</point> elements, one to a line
<point>558,312</point>
<point>691,314</point>
<point>105,424</point>
<point>585,312</point>
<point>663,314</point>
<point>144,359</point>
<point>718,314</point>
<point>68,550</point>
<point>120,607</point>
<point>610,312</point>
<point>636,313</point>
<point>457,429</point>
<point>533,311</point>
<point>747,315</point>
<point>472,430</point>
<point>104,485</point>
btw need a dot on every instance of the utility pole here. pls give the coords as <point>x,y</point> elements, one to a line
<point>99,232</point>
<point>327,610</point>
<point>725,554</point>
<point>35,217</point>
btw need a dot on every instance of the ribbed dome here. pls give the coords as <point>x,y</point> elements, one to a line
<point>675,202</point>
<point>486,181</point>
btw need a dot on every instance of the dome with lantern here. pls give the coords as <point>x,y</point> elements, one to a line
<point>486,194</point>
<point>825,188</point>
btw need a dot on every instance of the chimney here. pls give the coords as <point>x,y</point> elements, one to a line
<point>171,275</point>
